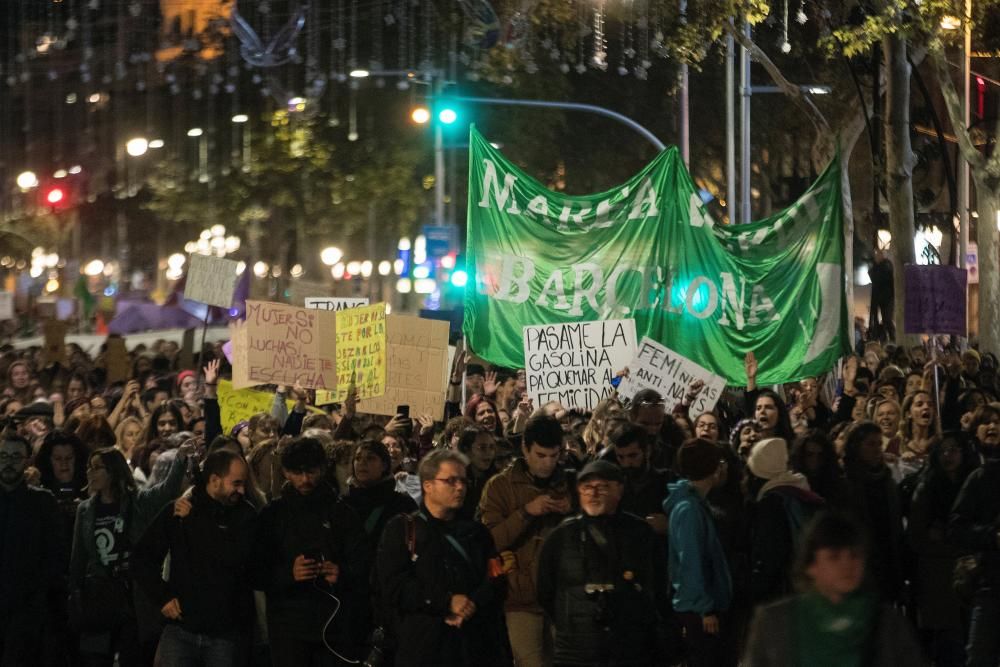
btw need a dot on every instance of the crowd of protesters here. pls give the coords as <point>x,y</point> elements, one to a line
<point>852,519</point>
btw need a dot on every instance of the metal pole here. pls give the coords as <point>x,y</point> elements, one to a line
<point>571,106</point>
<point>731,207</point>
<point>963,170</point>
<point>745,130</point>
<point>685,120</point>
<point>438,165</point>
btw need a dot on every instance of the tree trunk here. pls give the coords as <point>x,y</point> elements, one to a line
<point>988,242</point>
<point>899,170</point>
<point>986,175</point>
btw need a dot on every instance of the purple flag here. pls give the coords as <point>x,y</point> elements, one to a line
<point>935,300</point>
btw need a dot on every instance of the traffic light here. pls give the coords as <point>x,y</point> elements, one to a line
<point>443,114</point>
<point>420,115</point>
<point>459,278</point>
<point>55,196</point>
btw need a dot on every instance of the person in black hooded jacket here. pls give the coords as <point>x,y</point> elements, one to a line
<point>435,572</point>
<point>974,528</point>
<point>311,564</point>
<point>207,598</point>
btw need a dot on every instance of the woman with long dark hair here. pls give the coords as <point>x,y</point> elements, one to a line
<point>108,523</point>
<point>873,499</point>
<point>814,456</point>
<point>952,457</point>
<point>62,465</point>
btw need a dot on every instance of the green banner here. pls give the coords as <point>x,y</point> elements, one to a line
<point>649,250</point>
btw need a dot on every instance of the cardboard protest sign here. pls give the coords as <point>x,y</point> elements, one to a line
<point>55,342</point>
<point>301,289</point>
<point>117,360</point>
<point>236,405</point>
<point>6,306</point>
<point>574,363</point>
<point>211,280</point>
<point>335,303</point>
<point>417,368</point>
<point>935,300</point>
<point>658,367</point>
<point>281,344</point>
<point>361,352</point>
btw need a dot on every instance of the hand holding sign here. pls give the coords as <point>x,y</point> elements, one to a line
<point>674,377</point>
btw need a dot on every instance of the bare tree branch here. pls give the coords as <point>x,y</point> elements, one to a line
<point>955,115</point>
<point>800,98</point>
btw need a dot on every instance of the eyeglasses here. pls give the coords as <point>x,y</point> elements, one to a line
<point>12,458</point>
<point>594,489</point>
<point>452,481</point>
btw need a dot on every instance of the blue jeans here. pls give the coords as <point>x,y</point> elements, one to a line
<point>180,648</point>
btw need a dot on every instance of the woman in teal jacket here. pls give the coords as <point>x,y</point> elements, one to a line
<point>107,524</point>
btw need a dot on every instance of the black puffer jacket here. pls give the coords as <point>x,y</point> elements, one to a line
<point>975,519</point>
<point>29,554</point>
<point>419,588</point>
<point>316,525</point>
<point>375,505</point>
<point>625,626</point>
<point>210,562</point>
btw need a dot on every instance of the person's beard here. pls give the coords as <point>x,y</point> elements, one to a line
<point>10,476</point>
<point>633,475</point>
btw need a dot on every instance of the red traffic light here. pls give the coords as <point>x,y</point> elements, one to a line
<point>55,196</point>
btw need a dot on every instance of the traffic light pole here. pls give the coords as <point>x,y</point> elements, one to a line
<point>570,106</point>
<point>438,164</point>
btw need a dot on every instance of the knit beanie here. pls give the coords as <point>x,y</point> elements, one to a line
<point>184,374</point>
<point>768,458</point>
<point>698,459</point>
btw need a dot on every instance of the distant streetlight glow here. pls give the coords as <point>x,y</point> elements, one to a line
<point>384,267</point>
<point>27,180</point>
<point>366,268</point>
<point>195,132</point>
<point>94,267</point>
<point>137,146</point>
<point>337,271</point>
<point>156,143</point>
<point>951,23</point>
<point>331,255</point>
<point>360,73</point>
<point>240,118</point>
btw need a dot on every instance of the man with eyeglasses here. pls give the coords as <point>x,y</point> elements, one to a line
<point>602,580</point>
<point>29,549</point>
<point>440,576</point>
<point>521,506</point>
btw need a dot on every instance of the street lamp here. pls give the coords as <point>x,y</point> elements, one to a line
<point>330,255</point>
<point>195,132</point>
<point>360,73</point>
<point>27,180</point>
<point>137,146</point>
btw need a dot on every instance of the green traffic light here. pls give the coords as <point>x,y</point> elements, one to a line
<point>447,116</point>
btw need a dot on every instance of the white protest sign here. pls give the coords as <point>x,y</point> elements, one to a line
<point>660,368</point>
<point>334,302</point>
<point>574,363</point>
<point>211,280</point>
<point>6,306</point>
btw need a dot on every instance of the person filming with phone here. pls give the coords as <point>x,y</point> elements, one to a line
<point>311,565</point>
